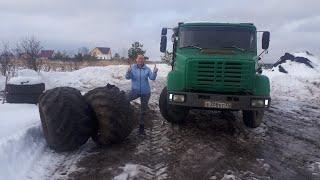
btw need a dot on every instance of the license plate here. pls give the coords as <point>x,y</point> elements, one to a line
<point>217,104</point>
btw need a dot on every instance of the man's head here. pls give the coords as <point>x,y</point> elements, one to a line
<point>140,59</point>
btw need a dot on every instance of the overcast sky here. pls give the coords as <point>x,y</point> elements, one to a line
<point>71,24</point>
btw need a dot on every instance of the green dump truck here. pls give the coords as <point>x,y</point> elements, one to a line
<point>215,66</point>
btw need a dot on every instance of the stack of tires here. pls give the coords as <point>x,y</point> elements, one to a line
<point>24,93</point>
<point>70,119</point>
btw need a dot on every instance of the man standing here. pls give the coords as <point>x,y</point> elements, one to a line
<point>139,74</point>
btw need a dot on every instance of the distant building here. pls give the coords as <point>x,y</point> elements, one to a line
<point>46,54</point>
<point>101,53</point>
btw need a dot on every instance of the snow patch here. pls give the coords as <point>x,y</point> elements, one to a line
<point>132,171</point>
<point>25,76</point>
<point>315,167</point>
<point>20,80</point>
<point>229,176</point>
<point>18,153</point>
<point>301,82</point>
<point>298,64</point>
<point>2,82</point>
<point>91,77</point>
<point>28,73</point>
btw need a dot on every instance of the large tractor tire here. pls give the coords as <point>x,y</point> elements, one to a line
<point>172,113</point>
<point>252,119</point>
<point>66,118</point>
<point>113,114</point>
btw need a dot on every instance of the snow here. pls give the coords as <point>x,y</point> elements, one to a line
<point>2,82</point>
<point>90,77</point>
<point>23,150</point>
<point>20,80</point>
<point>314,167</point>
<point>23,147</point>
<point>21,141</point>
<point>26,76</point>
<point>301,83</point>
<point>131,171</point>
<point>27,73</point>
<point>228,177</point>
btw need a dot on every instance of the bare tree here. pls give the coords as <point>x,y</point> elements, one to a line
<point>29,49</point>
<point>167,57</point>
<point>83,51</point>
<point>5,57</point>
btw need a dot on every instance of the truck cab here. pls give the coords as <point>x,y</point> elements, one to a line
<point>215,66</point>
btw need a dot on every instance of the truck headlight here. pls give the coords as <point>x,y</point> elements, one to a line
<point>178,98</point>
<point>259,102</point>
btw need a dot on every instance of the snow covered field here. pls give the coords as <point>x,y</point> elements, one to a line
<point>23,151</point>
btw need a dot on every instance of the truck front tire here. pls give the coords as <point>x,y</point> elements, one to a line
<point>253,118</point>
<point>172,113</point>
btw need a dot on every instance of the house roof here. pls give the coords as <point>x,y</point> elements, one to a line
<point>104,50</point>
<point>46,53</point>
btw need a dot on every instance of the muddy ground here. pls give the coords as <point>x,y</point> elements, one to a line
<point>213,145</point>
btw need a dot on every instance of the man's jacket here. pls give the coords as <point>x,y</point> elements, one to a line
<point>139,78</point>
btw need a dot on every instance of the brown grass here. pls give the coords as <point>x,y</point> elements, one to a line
<point>56,65</point>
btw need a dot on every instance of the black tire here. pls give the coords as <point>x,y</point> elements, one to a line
<point>22,98</point>
<point>113,112</point>
<point>25,89</point>
<point>172,113</point>
<point>66,118</point>
<point>252,119</point>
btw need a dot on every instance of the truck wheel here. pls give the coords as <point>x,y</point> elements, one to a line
<point>66,118</point>
<point>252,119</point>
<point>172,113</point>
<point>114,117</point>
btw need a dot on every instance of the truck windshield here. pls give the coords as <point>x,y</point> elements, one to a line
<point>238,38</point>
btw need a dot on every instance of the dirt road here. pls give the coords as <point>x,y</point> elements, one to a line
<point>215,145</point>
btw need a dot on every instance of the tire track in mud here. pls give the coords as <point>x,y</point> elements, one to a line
<point>155,149</point>
<point>68,161</point>
<point>212,145</point>
<point>292,143</point>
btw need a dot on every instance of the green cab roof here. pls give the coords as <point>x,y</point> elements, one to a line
<point>248,25</point>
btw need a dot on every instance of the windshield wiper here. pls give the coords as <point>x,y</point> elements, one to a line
<point>192,46</point>
<point>235,47</point>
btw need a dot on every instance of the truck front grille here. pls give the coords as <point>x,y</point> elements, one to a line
<point>214,75</point>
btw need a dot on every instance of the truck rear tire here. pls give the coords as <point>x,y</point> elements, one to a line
<point>172,113</point>
<point>114,116</point>
<point>66,118</point>
<point>253,118</point>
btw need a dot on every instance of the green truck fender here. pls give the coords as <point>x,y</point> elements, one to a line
<point>262,85</point>
<point>176,81</point>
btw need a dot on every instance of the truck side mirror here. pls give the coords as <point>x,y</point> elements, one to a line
<point>163,44</point>
<point>164,31</point>
<point>265,40</point>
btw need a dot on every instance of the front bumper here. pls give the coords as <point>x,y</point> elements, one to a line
<point>219,101</point>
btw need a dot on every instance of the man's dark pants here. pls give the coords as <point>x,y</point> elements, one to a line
<point>144,99</point>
